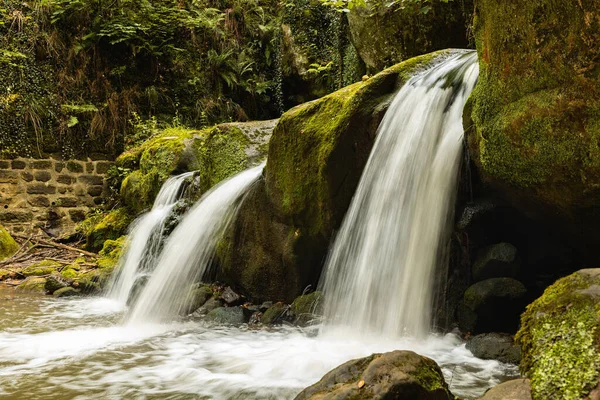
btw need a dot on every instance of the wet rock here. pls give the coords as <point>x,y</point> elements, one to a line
<point>276,314</point>
<point>473,212</point>
<point>33,284</point>
<point>399,375</point>
<point>495,346</point>
<point>54,282</point>
<point>210,305</point>
<point>307,308</point>
<point>516,389</point>
<point>493,305</point>
<point>496,261</point>
<point>229,296</point>
<point>66,292</point>
<point>266,305</point>
<point>197,297</point>
<point>137,288</point>
<point>227,315</point>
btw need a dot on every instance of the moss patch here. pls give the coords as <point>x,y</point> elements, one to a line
<point>45,267</point>
<point>8,246</point>
<point>560,339</point>
<point>110,226</point>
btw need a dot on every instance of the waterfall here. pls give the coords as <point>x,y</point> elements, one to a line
<point>190,249</point>
<point>145,239</point>
<point>379,275</point>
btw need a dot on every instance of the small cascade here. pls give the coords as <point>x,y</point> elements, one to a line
<point>379,277</point>
<point>190,249</point>
<point>145,239</point>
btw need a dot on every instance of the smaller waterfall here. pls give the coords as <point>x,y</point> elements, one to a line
<point>380,272</point>
<point>190,249</point>
<point>145,237</point>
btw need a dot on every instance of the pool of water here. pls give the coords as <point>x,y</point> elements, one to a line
<point>79,348</point>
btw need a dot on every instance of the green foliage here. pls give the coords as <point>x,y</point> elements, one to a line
<point>347,5</point>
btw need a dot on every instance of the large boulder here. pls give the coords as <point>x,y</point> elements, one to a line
<point>495,346</point>
<point>216,153</point>
<point>278,243</point>
<point>8,246</point>
<point>536,108</point>
<point>387,34</point>
<point>493,305</point>
<point>560,339</point>
<point>400,375</point>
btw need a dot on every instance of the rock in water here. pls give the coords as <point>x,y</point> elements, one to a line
<point>493,305</point>
<point>398,375</point>
<point>54,282</point>
<point>516,389</point>
<point>66,292</point>
<point>495,346</point>
<point>227,315</point>
<point>496,261</point>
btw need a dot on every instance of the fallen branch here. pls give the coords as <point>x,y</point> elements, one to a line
<point>65,247</point>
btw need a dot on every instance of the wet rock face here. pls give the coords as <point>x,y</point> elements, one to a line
<point>496,261</point>
<point>495,346</point>
<point>533,121</point>
<point>400,375</point>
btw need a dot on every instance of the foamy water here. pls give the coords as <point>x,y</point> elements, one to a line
<point>78,348</point>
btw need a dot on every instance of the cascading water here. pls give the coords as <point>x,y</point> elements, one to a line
<point>379,275</point>
<point>190,249</point>
<point>145,237</point>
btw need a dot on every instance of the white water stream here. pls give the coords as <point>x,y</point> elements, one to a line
<point>145,235</point>
<point>380,273</point>
<point>190,249</point>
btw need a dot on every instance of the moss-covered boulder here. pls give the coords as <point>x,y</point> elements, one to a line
<point>102,227</point>
<point>33,284</point>
<point>66,292</point>
<point>8,246</point>
<point>535,112</point>
<point>278,243</point>
<point>276,314</point>
<point>560,338</point>
<point>45,267</point>
<point>387,34</point>
<point>400,375</point>
<point>216,153</point>
<point>92,281</point>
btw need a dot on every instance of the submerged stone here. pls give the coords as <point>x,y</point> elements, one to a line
<point>227,315</point>
<point>495,346</point>
<point>399,375</point>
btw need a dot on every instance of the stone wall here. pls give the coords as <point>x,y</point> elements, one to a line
<point>49,194</point>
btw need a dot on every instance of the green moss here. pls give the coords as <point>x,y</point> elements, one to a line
<point>33,284</point>
<point>45,267</point>
<point>111,252</point>
<point>560,339</point>
<point>69,273</point>
<point>429,376</point>
<point>66,292</point>
<point>537,102</point>
<point>4,274</point>
<point>8,246</point>
<point>307,137</point>
<point>308,304</point>
<point>110,226</point>
<point>274,314</point>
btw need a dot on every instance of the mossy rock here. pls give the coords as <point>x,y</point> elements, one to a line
<point>560,338</point>
<point>227,316</point>
<point>8,246</point>
<point>66,292</point>
<point>5,274</point>
<point>533,120</point>
<point>69,273</point>
<point>307,307</point>
<point>93,281</point>
<point>45,267</point>
<point>385,35</point>
<point>277,313</point>
<point>107,227</point>
<point>401,375</point>
<point>33,284</point>
<point>217,153</point>
<point>54,282</point>
<point>278,242</point>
